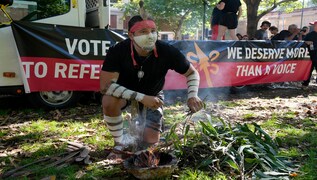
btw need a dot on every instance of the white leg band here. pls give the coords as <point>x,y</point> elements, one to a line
<point>115,126</point>
<point>193,84</point>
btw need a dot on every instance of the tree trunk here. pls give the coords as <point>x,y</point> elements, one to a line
<point>252,16</point>
<point>180,24</point>
<point>178,31</point>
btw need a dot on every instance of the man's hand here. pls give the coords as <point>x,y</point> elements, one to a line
<point>309,42</point>
<point>195,104</point>
<point>152,102</point>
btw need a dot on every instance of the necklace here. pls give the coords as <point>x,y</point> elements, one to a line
<point>140,74</point>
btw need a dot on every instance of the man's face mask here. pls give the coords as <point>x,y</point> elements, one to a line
<point>146,41</point>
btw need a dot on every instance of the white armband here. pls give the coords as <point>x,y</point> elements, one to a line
<point>193,84</point>
<point>119,91</point>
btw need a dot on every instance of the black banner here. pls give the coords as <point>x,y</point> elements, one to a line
<point>57,57</point>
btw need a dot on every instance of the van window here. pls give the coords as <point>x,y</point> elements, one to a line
<point>30,10</point>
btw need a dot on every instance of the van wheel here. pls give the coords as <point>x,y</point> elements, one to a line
<point>237,89</point>
<point>54,99</point>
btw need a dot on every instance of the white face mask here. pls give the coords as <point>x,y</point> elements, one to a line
<point>146,42</point>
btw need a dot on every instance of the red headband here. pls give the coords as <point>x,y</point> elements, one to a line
<point>142,24</point>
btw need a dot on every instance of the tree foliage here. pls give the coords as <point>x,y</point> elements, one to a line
<point>256,9</point>
<point>186,16</point>
<point>182,16</point>
<point>48,8</point>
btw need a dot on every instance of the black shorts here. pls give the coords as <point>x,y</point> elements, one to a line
<point>152,118</point>
<point>230,20</point>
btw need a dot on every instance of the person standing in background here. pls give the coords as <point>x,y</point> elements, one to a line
<point>215,18</point>
<point>293,33</point>
<point>296,34</point>
<point>304,31</point>
<point>273,30</point>
<point>311,41</point>
<point>261,34</point>
<point>231,12</point>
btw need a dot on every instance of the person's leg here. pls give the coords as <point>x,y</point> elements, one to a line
<point>307,81</point>
<point>153,127</point>
<point>214,34</point>
<point>221,31</point>
<point>314,61</point>
<point>232,33</point>
<point>112,115</point>
<point>314,64</point>
<point>232,21</point>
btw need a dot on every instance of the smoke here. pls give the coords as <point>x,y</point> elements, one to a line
<point>134,126</point>
<point>205,94</point>
<point>134,122</point>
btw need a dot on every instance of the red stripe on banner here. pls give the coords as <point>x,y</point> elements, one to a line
<point>53,74</point>
<point>220,74</point>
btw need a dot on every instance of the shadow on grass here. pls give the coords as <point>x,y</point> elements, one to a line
<point>80,113</point>
<point>18,139</point>
<point>38,146</point>
<point>70,169</point>
<point>17,156</point>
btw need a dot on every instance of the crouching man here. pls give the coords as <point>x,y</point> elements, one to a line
<point>135,69</point>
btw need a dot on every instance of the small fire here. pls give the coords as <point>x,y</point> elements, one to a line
<point>148,158</point>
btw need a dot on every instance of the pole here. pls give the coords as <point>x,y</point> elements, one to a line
<point>301,18</point>
<point>204,20</point>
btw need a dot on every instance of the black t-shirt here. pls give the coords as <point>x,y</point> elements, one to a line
<point>216,16</point>
<point>231,6</point>
<point>312,36</point>
<point>261,34</point>
<point>282,35</point>
<point>118,59</point>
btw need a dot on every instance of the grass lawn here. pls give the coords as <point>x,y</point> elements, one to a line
<point>35,135</point>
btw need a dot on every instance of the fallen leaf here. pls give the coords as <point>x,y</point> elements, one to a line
<point>293,174</point>
<point>80,174</point>
<point>3,155</point>
<point>49,178</point>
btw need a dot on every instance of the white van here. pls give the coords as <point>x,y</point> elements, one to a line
<point>80,13</point>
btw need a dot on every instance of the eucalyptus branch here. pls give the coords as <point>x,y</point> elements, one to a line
<point>272,8</point>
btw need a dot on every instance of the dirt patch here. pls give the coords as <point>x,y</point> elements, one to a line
<point>252,103</point>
